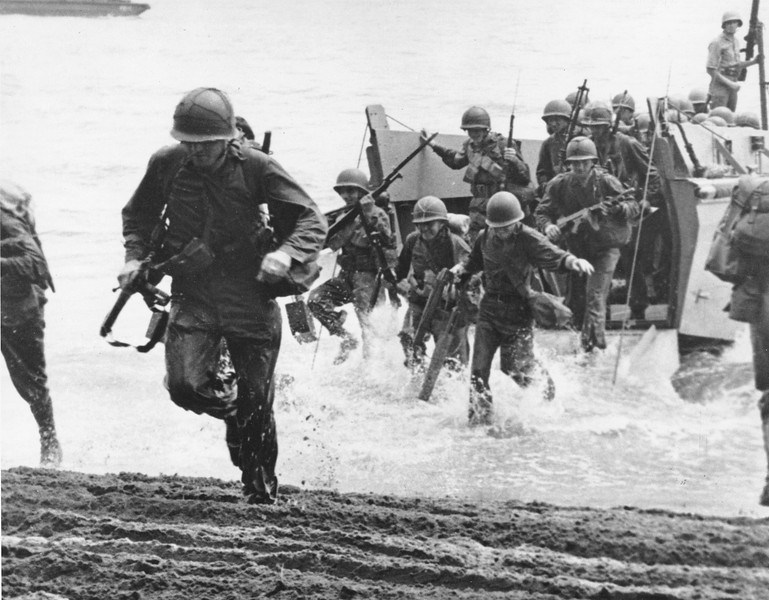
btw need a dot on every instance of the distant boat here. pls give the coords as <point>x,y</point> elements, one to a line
<point>72,8</point>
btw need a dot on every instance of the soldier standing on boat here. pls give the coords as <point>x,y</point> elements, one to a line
<point>627,159</point>
<point>425,253</point>
<point>227,266</point>
<point>25,277</point>
<point>724,65</point>
<point>356,281</point>
<point>556,116</point>
<point>506,252</point>
<point>491,165</point>
<point>597,238</point>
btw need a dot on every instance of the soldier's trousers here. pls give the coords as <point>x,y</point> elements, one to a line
<point>193,344</point>
<point>459,347</point>
<point>759,335</point>
<point>24,352</point>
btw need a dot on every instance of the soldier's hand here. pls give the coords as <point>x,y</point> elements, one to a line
<point>511,154</point>
<point>275,266</point>
<point>424,134</point>
<point>552,232</point>
<point>580,265</point>
<point>403,287</point>
<point>458,270</point>
<point>130,274</point>
<point>367,204</point>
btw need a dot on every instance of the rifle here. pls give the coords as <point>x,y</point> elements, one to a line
<point>510,140</point>
<point>266,142</point>
<point>573,118</point>
<point>394,175</point>
<point>443,279</point>
<point>591,212</point>
<point>615,126</point>
<point>699,170</point>
<point>750,39</point>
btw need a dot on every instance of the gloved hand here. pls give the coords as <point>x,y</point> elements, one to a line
<point>403,287</point>
<point>458,270</point>
<point>275,266</point>
<point>367,204</point>
<point>552,232</point>
<point>129,274</point>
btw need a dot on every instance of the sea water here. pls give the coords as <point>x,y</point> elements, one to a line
<point>85,102</point>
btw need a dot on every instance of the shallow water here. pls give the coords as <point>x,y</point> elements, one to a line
<point>83,104</point>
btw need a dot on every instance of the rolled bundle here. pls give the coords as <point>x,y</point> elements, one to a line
<point>708,189</point>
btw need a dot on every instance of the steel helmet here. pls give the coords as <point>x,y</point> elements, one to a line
<point>429,208</point>
<point>747,119</point>
<point>571,98</point>
<point>597,113</point>
<point>674,116</point>
<point>686,107</point>
<point>475,117</point>
<point>557,108</point>
<point>731,15</point>
<point>716,120</point>
<point>352,178</point>
<point>204,115</point>
<point>503,209</point>
<point>699,118</point>
<point>623,100</point>
<point>698,96</point>
<point>581,148</point>
<point>642,122</point>
<point>725,113</point>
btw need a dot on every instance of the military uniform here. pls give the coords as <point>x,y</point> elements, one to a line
<point>724,57</point>
<point>566,195</point>
<point>25,276</point>
<point>224,299</point>
<point>421,261</point>
<point>505,321</point>
<point>550,161</point>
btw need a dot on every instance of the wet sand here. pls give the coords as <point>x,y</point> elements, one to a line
<point>130,536</point>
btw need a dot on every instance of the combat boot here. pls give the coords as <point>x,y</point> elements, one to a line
<point>50,449</point>
<point>347,345</point>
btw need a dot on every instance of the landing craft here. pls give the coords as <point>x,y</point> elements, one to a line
<point>692,306</point>
<point>72,8</point>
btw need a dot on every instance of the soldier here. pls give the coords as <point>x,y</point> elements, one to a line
<point>699,99</point>
<point>623,106</point>
<point>227,267</point>
<point>556,117</point>
<point>25,277</point>
<point>427,251</point>
<point>507,252</point>
<point>642,123</point>
<point>724,64</point>
<point>627,159</point>
<point>583,186</point>
<point>491,166</point>
<point>356,281</point>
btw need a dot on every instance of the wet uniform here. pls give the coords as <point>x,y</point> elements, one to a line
<point>223,299</point>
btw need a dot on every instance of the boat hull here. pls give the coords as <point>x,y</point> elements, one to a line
<point>66,8</point>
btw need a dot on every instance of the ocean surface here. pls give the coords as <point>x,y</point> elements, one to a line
<point>85,102</point>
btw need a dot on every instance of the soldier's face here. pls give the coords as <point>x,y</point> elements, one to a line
<point>555,124</point>
<point>503,232</point>
<point>207,156</point>
<point>429,230</point>
<point>476,135</point>
<point>350,194</point>
<point>731,27</point>
<point>581,168</point>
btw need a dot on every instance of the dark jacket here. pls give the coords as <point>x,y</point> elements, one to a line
<point>627,159</point>
<point>549,164</point>
<point>356,251</point>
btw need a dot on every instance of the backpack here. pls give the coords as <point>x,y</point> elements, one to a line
<point>723,259</point>
<point>751,233</point>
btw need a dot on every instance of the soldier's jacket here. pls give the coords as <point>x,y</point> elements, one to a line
<point>224,209</point>
<point>724,56</point>
<point>627,159</point>
<point>566,194</point>
<point>23,268</point>
<point>425,259</point>
<point>507,264</point>
<point>549,164</point>
<point>356,252</point>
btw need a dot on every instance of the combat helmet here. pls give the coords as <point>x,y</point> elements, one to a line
<point>503,209</point>
<point>624,100</point>
<point>747,119</point>
<point>642,122</point>
<point>717,121</point>
<point>557,108</point>
<point>725,113</point>
<point>731,15</point>
<point>571,98</point>
<point>429,208</point>
<point>354,178</point>
<point>204,115</point>
<point>581,148</point>
<point>699,118</point>
<point>597,113</point>
<point>475,117</point>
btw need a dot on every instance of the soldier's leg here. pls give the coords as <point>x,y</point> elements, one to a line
<point>254,359</point>
<point>597,291</point>
<point>363,288</point>
<point>759,334</point>
<point>325,298</point>
<point>485,346</point>
<point>459,348</point>
<point>24,351</point>
<point>517,360</point>
<point>413,350</point>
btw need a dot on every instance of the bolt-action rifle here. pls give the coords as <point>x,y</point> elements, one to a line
<point>750,39</point>
<point>615,125</point>
<point>699,170</point>
<point>417,349</point>
<point>574,117</point>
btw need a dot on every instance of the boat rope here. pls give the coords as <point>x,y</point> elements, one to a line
<point>362,143</point>
<point>401,124</point>
<point>626,307</point>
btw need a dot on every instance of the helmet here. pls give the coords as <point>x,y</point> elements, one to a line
<point>674,116</point>
<point>352,178</point>
<point>747,119</point>
<point>643,122</point>
<point>699,118</point>
<point>597,113</point>
<point>731,15</point>
<point>698,96</point>
<point>623,100</point>
<point>581,148</point>
<point>723,112</point>
<point>475,117</point>
<point>716,120</point>
<point>686,107</point>
<point>557,108</point>
<point>572,98</point>
<point>429,208</point>
<point>503,209</point>
<point>204,115</point>
<point>243,125</point>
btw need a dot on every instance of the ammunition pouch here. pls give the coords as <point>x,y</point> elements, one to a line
<point>194,258</point>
